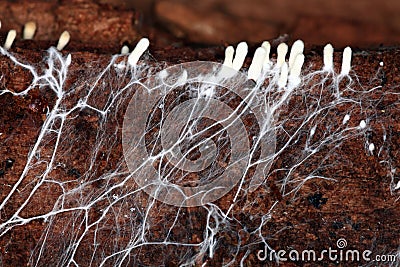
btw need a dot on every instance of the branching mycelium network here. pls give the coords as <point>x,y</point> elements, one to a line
<point>118,190</point>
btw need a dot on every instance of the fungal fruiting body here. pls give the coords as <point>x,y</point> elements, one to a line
<point>282,51</point>
<point>289,71</point>
<point>240,56</point>
<point>346,119</point>
<point>138,51</point>
<point>257,64</point>
<point>10,39</point>
<point>267,62</point>
<point>63,40</point>
<point>68,60</point>
<point>229,52</point>
<point>346,62</point>
<point>328,57</point>
<point>371,147</point>
<point>363,124</point>
<point>297,49</point>
<point>29,30</point>
<point>283,75</point>
<point>125,50</point>
<point>397,186</point>
<point>233,58</point>
<point>295,71</point>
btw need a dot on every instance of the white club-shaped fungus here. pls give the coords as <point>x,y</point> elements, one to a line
<point>346,62</point>
<point>283,75</point>
<point>63,41</point>
<point>363,124</point>
<point>229,52</point>
<point>257,64</point>
<point>10,39</point>
<point>328,57</point>
<point>240,56</point>
<point>267,62</point>
<point>29,30</point>
<point>346,119</point>
<point>124,50</point>
<point>297,49</point>
<point>138,51</point>
<point>282,51</point>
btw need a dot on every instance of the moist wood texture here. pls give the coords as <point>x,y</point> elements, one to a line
<point>358,206</point>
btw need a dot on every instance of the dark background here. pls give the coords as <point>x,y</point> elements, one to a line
<point>361,23</point>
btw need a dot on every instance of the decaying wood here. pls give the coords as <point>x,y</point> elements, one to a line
<point>360,205</point>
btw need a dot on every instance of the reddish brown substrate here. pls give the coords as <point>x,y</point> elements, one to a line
<point>358,206</point>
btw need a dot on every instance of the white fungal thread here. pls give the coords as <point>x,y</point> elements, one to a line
<point>282,51</point>
<point>113,221</point>
<point>256,66</point>
<point>297,49</point>
<point>63,40</point>
<point>124,50</point>
<point>328,57</point>
<point>229,52</point>
<point>346,62</point>
<point>240,56</point>
<point>10,39</point>
<point>138,51</point>
<point>29,30</point>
